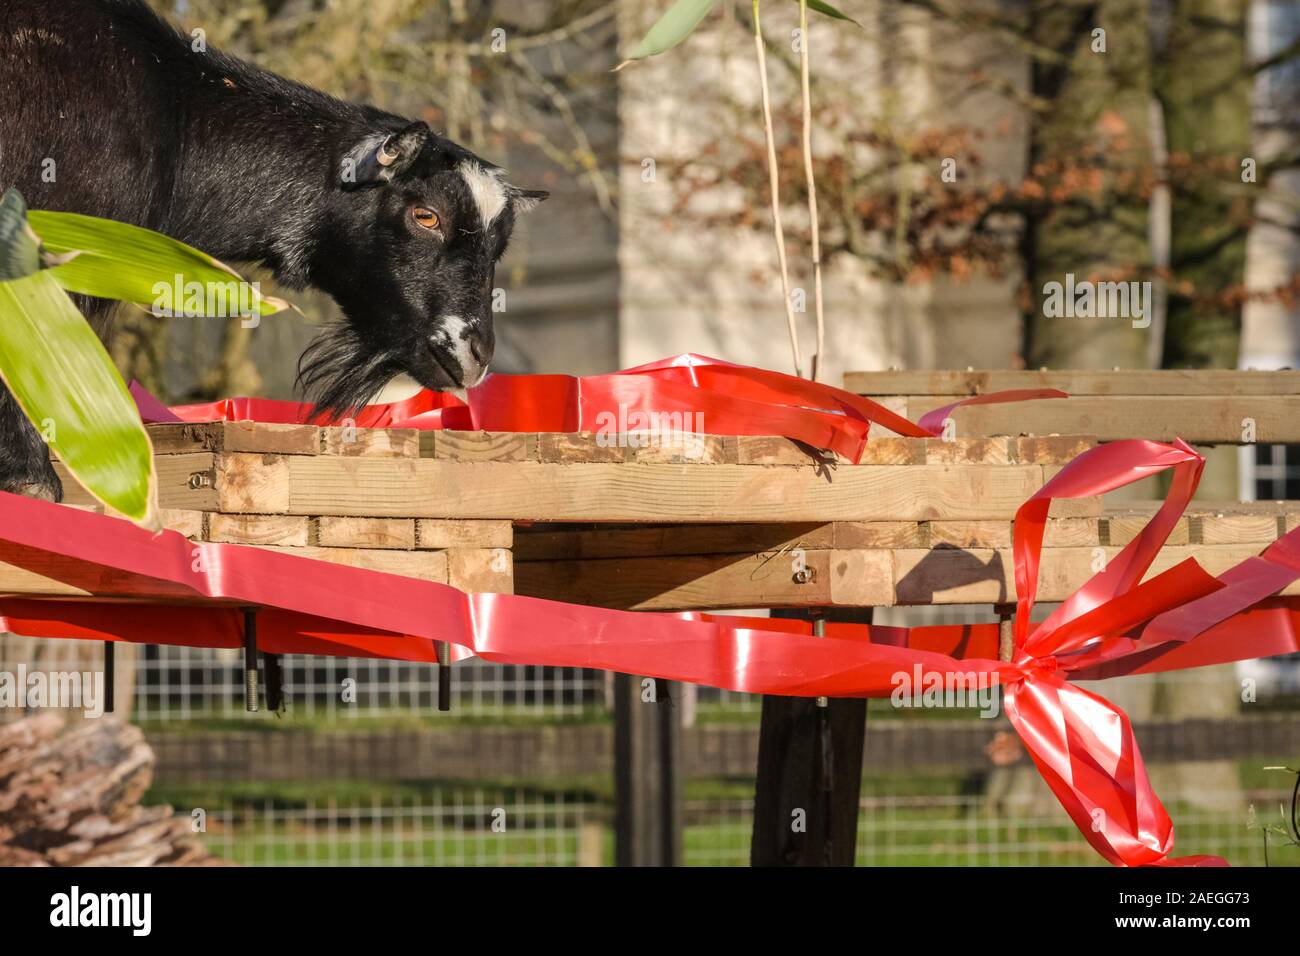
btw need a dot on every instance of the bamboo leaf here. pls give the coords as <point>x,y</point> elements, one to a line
<point>672,28</point>
<point>65,382</point>
<point>20,253</point>
<point>124,262</point>
<point>826,10</point>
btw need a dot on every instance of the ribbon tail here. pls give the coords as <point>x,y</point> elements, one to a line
<point>1084,747</point>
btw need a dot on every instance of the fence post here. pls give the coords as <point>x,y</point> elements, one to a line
<point>809,780</point>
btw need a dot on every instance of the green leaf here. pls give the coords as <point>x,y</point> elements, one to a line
<point>672,28</point>
<point>65,382</point>
<point>826,10</point>
<point>20,253</point>
<point>119,261</point>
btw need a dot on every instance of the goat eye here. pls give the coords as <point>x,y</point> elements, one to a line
<point>425,218</point>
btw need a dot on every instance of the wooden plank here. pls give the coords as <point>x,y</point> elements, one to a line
<point>257,483</point>
<point>774,450</point>
<point>1214,382</point>
<point>336,531</point>
<point>537,491</point>
<point>188,523</point>
<point>438,533</point>
<point>987,576</point>
<point>684,449</point>
<point>1236,529</point>
<point>371,442</point>
<point>287,530</point>
<point>481,570</point>
<point>185,482</point>
<point>1051,449</point>
<point>848,578</point>
<point>544,543</point>
<point>882,534</point>
<point>1160,418</point>
<point>988,451</point>
<point>426,565</point>
<point>1121,529</point>
<point>891,450</point>
<point>479,446</point>
<point>579,446</point>
<point>170,438</point>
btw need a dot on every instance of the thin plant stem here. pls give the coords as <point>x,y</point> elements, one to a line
<point>773,179</point>
<point>812,190</point>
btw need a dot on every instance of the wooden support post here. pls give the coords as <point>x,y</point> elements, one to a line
<point>809,778</point>
<point>250,659</point>
<point>110,674</point>
<point>274,682</point>
<point>1006,630</point>
<point>647,773</point>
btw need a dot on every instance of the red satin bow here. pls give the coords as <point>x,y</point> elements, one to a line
<point>1083,745</point>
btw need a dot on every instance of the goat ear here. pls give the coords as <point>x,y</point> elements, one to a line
<point>380,158</point>
<point>526,200</point>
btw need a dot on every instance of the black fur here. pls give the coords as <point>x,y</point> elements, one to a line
<point>249,166</point>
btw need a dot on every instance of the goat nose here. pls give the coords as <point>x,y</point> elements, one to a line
<point>477,350</point>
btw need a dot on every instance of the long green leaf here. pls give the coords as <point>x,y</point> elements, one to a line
<point>119,261</point>
<point>826,10</point>
<point>59,372</point>
<point>672,28</point>
<point>19,253</point>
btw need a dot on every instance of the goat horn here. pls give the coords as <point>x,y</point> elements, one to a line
<point>386,156</point>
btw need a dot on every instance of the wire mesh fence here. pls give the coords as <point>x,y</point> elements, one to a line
<point>482,827</point>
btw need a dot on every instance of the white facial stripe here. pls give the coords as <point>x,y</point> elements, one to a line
<point>486,188</point>
<point>453,335</point>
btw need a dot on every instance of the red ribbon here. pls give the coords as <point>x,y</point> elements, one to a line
<point>1082,744</point>
<point>695,392</point>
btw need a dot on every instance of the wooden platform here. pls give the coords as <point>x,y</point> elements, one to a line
<point>709,522</point>
<point>1202,406</point>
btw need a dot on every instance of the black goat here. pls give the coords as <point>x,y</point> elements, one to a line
<point>109,111</point>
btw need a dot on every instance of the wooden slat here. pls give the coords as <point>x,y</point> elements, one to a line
<point>175,489</point>
<point>544,543</point>
<point>335,531</point>
<point>846,578</point>
<point>426,565</point>
<point>259,437</point>
<point>1215,382</point>
<point>437,533</point>
<point>478,446</point>
<point>1216,420</point>
<point>286,530</point>
<point>984,576</point>
<point>371,442</point>
<point>481,570</point>
<point>537,491</point>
